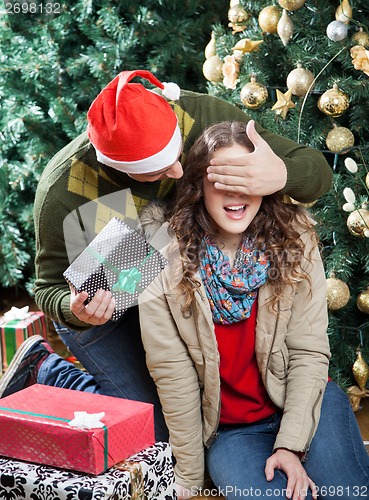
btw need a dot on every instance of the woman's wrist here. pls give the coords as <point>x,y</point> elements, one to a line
<point>299,454</point>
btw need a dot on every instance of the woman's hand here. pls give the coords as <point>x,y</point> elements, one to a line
<point>97,312</point>
<point>298,481</point>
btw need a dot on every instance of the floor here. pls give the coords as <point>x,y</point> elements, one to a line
<point>10,299</point>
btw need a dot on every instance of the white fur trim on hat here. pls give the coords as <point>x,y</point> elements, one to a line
<point>171,91</point>
<point>158,161</point>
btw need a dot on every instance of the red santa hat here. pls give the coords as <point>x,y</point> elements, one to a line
<point>132,128</point>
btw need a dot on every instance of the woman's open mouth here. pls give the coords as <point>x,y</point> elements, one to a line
<point>235,211</point>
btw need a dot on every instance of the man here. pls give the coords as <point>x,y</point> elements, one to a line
<point>135,140</point>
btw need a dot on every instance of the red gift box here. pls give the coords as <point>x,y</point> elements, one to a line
<point>15,331</point>
<point>34,427</point>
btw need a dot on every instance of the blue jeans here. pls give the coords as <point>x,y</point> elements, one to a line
<point>114,358</point>
<point>337,461</point>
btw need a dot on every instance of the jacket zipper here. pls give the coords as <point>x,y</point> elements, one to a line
<point>215,433</point>
<point>310,438</point>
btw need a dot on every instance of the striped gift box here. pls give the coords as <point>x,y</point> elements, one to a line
<point>15,331</point>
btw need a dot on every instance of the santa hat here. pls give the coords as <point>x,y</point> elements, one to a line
<point>132,128</point>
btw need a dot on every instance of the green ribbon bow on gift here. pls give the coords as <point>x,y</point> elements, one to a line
<point>128,279</point>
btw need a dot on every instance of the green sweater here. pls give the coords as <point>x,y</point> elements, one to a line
<point>74,178</point>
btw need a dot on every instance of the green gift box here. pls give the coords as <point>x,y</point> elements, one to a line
<point>16,331</point>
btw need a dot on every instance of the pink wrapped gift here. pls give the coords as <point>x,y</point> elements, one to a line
<point>37,424</point>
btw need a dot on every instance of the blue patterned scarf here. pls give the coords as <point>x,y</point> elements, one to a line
<point>232,291</point>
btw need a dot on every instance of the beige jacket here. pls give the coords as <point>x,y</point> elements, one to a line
<point>292,353</point>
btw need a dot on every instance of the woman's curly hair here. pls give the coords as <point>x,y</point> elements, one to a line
<point>276,227</point>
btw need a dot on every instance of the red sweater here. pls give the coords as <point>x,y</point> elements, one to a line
<point>243,396</point>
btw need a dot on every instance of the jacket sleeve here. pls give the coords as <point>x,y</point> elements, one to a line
<point>176,379</point>
<point>308,174</point>
<point>308,357</point>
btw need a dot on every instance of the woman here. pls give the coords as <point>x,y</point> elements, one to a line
<point>236,342</point>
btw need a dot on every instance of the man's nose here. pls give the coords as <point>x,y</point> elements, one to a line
<point>175,172</point>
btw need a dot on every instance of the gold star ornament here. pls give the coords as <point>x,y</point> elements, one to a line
<point>247,45</point>
<point>283,104</point>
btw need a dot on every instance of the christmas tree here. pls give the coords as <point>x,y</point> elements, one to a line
<point>300,68</point>
<point>55,58</point>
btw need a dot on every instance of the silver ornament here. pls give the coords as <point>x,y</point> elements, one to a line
<point>337,31</point>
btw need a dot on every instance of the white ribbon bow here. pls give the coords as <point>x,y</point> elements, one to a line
<point>17,313</point>
<point>84,420</point>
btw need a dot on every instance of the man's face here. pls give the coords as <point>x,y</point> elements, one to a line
<point>173,171</point>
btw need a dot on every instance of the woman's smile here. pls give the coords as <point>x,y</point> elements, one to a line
<point>235,212</point>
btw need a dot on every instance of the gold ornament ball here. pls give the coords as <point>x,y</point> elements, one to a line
<point>334,102</point>
<point>340,140</point>
<point>268,18</point>
<point>299,81</point>
<point>362,301</point>
<point>361,37</point>
<point>212,69</point>
<point>338,294</point>
<point>253,94</point>
<point>291,4</point>
<point>358,222</point>
<point>360,370</point>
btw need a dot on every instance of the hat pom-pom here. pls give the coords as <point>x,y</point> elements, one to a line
<point>171,91</point>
